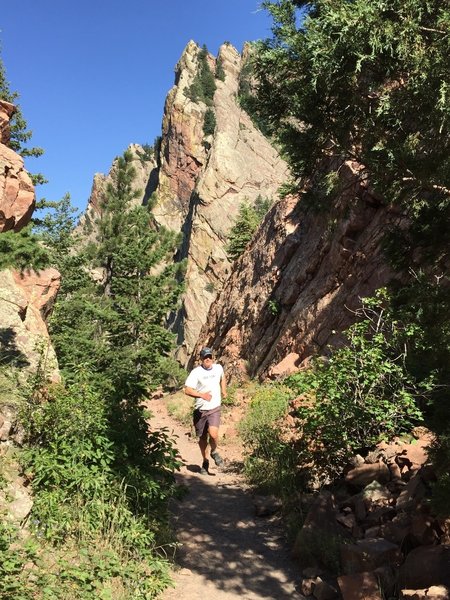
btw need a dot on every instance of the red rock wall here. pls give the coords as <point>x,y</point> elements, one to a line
<point>17,199</point>
<point>300,280</point>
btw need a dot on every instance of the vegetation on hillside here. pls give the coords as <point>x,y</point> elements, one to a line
<point>249,217</point>
<point>203,87</point>
<point>21,249</point>
<point>101,479</point>
<point>370,83</point>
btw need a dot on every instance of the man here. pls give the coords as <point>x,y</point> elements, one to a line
<point>206,383</point>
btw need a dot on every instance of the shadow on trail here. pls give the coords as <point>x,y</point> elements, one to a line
<point>225,543</point>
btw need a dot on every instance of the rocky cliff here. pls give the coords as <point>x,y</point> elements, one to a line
<point>145,168</point>
<point>201,179</point>
<point>300,280</point>
<point>17,198</point>
<point>25,298</point>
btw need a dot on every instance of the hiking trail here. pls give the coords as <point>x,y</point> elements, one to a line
<point>226,550</point>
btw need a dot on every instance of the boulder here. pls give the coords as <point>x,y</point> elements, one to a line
<point>360,586</point>
<point>376,494</point>
<point>367,473</point>
<point>6,112</point>
<point>424,567</point>
<point>285,367</point>
<point>17,198</point>
<point>435,592</point>
<point>16,500</point>
<point>367,555</point>
<point>323,590</point>
<point>317,543</point>
<point>414,491</point>
<point>24,299</point>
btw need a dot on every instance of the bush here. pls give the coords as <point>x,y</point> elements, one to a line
<point>209,123</point>
<point>220,71</point>
<point>270,462</point>
<point>80,474</point>
<point>30,569</point>
<point>362,393</point>
<point>248,220</point>
<point>203,87</point>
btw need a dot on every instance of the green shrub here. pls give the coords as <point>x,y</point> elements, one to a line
<point>220,72</point>
<point>270,462</point>
<point>249,218</point>
<point>209,123</point>
<point>30,569</point>
<point>203,87</point>
<point>362,393</point>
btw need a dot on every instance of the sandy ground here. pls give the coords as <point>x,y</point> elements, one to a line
<point>226,550</point>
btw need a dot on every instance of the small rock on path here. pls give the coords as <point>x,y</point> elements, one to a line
<point>227,552</point>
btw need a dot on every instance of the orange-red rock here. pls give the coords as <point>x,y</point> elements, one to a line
<point>360,586</point>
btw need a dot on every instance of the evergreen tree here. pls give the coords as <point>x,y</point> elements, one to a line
<point>369,82</point>
<point>249,218</point>
<point>19,133</point>
<point>120,322</point>
<point>220,71</point>
<point>362,81</point>
<point>209,123</point>
<point>203,86</point>
<point>206,76</point>
<point>55,226</point>
<point>22,250</point>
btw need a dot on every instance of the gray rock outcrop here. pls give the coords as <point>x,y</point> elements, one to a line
<point>201,181</point>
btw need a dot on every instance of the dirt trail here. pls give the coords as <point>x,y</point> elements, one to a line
<point>227,552</point>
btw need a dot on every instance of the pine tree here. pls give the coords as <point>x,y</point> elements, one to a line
<point>249,218</point>
<point>360,81</point>
<point>120,321</point>
<point>22,250</point>
<point>203,86</point>
<point>209,123</point>
<point>19,133</point>
<point>55,227</point>
<point>220,71</point>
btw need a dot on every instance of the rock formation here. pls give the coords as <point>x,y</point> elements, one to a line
<point>201,180</point>
<point>379,534</point>
<point>17,198</point>
<point>143,184</point>
<point>300,280</point>
<point>25,298</point>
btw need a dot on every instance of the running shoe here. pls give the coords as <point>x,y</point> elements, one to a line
<point>217,459</point>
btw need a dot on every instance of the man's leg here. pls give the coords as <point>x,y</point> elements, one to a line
<point>203,444</point>
<point>213,441</point>
<point>202,433</point>
<point>213,438</point>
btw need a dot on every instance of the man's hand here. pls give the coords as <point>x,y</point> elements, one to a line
<point>207,396</point>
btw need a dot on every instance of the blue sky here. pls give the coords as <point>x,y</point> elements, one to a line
<point>93,76</point>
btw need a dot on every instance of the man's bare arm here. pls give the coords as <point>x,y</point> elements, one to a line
<point>196,394</point>
<point>223,386</point>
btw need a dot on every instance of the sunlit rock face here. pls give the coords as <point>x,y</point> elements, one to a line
<point>25,302</point>
<point>299,283</point>
<point>200,180</point>
<point>17,198</point>
<point>204,180</point>
<point>26,298</point>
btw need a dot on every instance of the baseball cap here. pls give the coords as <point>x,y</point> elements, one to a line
<point>205,352</point>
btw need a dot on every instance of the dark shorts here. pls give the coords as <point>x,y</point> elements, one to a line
<point>204,419</point>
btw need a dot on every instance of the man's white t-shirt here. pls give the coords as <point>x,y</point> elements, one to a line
<point>206,380</point>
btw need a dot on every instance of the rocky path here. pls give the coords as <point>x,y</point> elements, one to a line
<point>227,551</point>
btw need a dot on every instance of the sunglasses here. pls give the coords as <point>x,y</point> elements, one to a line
<point>207,356</point>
